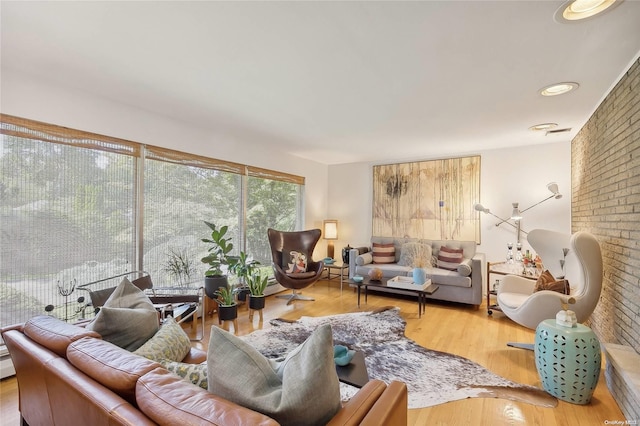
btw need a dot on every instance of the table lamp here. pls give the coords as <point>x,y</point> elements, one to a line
<point>330,233</point>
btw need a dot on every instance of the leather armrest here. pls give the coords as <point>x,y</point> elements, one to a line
<point>375,404</point>
<point>18,327</point>
<point>359,405</point>
<point>391,408</point>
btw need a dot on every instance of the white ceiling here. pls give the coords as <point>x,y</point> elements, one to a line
<point>336,82</point>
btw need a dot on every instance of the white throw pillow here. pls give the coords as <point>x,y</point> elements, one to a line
<point>302,389</point>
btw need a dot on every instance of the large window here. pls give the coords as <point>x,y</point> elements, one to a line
<point>178,198</point>
<point>78,207</point>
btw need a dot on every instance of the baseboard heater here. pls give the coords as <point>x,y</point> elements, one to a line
<point>6,366</point>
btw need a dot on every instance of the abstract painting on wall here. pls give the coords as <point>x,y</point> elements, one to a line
<point>427,199</point>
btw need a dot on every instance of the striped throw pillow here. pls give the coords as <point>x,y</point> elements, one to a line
<point>384,253</point>
<point>449,258</point>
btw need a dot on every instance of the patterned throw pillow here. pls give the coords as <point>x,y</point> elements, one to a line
<point>193,373</point>
<point>415,255</point>
<point>449,258</point>
<point>546,281</point>
<point>384,253</point>
<point>294,262</point>
<point>169,343</point>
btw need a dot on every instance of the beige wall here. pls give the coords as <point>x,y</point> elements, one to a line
<point>507,176</point>
<point>606,202</point>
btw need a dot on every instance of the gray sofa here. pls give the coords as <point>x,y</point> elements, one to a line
<point>461,286</point>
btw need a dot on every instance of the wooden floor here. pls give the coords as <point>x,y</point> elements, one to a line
<point>453,328</point>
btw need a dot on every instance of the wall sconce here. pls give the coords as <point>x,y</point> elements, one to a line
<point>330,233</point>
<point>516,214</point>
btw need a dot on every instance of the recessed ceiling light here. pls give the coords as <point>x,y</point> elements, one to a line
<point>576,10</point>
<point>558,88</point>
<point>543,126</point>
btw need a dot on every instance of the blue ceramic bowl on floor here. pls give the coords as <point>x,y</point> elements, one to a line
<point>342,355</point>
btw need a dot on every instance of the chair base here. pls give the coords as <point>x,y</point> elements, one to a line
<point>294,296</point>
<point>527,346</point>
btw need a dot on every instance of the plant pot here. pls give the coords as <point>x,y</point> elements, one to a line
<point>256,302</point>
<point>228,313</point>
<point>212,284</point>
<point>242,294</point>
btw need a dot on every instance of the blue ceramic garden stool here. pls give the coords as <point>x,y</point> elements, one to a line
<point>568,360</point>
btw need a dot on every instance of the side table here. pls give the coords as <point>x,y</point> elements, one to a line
<point>568,360</point>
<point>355,373</point>
<point>341,269</point>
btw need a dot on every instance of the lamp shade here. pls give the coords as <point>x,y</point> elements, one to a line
<point>330,229</point>
<point>553,187</point>
<point>515,214</point>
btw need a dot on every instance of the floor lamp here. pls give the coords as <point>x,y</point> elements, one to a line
<point>516,216</point>
<point>516,213</point>
<point>330,233</point>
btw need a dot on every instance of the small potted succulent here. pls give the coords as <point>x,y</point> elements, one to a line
<point>228,308</point>
<point>257,284</point>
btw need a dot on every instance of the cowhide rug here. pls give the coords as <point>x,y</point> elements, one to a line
<point>432,377</point>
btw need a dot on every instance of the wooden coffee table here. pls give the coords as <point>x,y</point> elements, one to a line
<point>422,294</point>
<point>355,373</point>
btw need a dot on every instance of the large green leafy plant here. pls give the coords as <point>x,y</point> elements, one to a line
<point>219,250</point>
<point>242,266</point>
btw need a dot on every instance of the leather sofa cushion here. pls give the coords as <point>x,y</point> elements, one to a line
<point>54,334</point>
<point>113,367</point>
<point>77,399</point>
<point>168,400</point>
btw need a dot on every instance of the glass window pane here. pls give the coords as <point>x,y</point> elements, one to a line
<point>67,216</point>
<point>178,199</point>
<point>270,204</point>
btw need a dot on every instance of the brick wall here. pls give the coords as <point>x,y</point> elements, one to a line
<point>605,180</point>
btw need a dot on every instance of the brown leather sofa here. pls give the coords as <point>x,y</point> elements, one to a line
<point>69,375</point>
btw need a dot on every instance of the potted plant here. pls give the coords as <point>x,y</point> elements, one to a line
<point>242,267</point>
<point>220,247</point>
<point>257,284</point>
<point>179,266</point>
<point>228,308</point>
